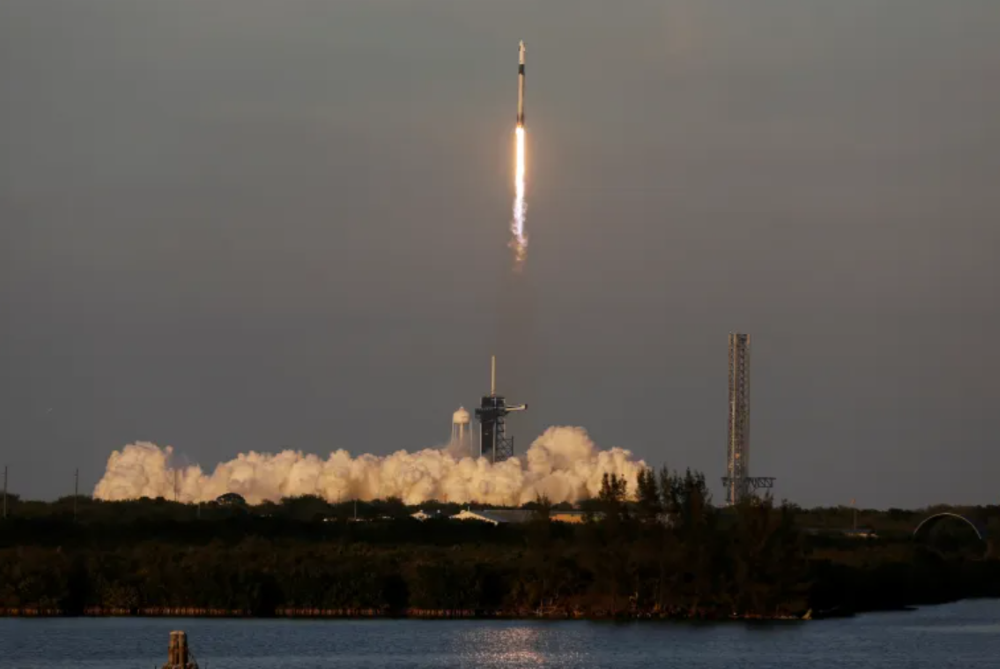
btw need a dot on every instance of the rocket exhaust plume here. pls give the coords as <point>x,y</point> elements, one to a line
<point>562,464</point>
<point>520,239</point>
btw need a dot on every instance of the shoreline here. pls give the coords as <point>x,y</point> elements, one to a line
<point>421,614</point>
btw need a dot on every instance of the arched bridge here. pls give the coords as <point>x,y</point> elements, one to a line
<point>930,521</point>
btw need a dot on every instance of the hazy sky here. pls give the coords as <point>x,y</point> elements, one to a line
<point>250,224</point>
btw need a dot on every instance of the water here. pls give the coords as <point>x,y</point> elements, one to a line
<point>966,634</point>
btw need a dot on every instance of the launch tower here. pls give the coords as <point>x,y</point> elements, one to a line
<point>494,444</point>
<point>738,482</point>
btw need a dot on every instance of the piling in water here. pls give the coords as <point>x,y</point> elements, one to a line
<point>178,655</point>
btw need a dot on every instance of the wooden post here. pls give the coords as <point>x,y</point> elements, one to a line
<point>182,649</point>
<point>178,656</point>
<point>172,650</point>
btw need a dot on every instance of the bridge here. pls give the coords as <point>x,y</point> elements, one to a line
<point>930,521</point>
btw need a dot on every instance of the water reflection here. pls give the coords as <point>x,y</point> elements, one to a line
<point>519,646</point>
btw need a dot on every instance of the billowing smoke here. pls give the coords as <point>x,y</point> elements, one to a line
<point>562,464</point>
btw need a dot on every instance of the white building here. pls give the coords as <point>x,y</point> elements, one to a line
<point>498,516</point>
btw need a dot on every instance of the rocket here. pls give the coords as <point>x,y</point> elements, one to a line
<point>520,85</point>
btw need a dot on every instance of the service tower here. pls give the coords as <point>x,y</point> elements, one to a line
<point>738,482</point>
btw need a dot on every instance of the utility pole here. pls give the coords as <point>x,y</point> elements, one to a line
<point>5,492</point>
<point>855,510</point>
<point>76,491</point>
<point>355,508</point>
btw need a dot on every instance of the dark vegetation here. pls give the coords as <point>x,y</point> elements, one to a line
<point>666,553</point>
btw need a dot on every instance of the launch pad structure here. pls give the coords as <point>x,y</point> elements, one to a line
<point>739,485</point>
<point>494,444</point>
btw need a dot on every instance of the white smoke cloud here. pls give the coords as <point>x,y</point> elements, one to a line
<point>562,464</point>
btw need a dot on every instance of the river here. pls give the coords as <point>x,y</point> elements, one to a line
<point>961,635</point>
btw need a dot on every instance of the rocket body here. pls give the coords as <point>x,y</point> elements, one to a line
<point>520,240</point>
<point>520,86</point>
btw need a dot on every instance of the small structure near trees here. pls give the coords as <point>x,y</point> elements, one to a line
<point>231,499</point>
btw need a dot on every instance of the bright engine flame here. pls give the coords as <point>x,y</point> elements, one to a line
<point>520,241</point>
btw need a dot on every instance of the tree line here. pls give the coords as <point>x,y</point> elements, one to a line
<point>665,551</point>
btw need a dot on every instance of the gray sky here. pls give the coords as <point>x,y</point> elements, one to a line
<point>249,224</point>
